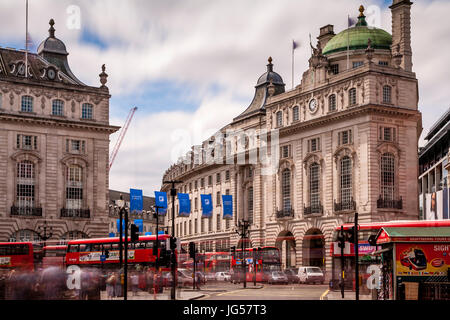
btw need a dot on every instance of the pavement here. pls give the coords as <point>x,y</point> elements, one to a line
<point>348,295</point>
<point>143,295</point>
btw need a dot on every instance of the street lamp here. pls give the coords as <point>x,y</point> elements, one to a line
<point>42,232</point>
<point>242,230</point>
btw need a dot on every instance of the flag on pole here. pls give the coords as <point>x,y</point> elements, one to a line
<point>294,45</point>
<point>352,21</point>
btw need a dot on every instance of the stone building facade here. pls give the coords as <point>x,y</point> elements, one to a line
<point>54,147</point>
<point>344,140</point>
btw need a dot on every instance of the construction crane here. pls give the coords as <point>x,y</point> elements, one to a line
<point>121,136</point>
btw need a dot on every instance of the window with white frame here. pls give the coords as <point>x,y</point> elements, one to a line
<point>27,104</point>
<point>75,146</point>
<point>218,202</point>
<point>295,113</point>
<point>314,185</point>
<point>218,176</point>
<point>345,137</point>
<point>285,151</point>
<point>314,145</point>
<point>332,102</point>
<point>74,188</point>
<point>218,223</point>
<point>388,134</point>
<point>57,107</point>
<point>26,142</point>
<point>25,235</point>
<point>352,96</point>
<point>387,94</point>
<point>346,180</point>
<point>286,190</point>
<point>227,175</point>
<point>86,111</point>
<point>279,116</point>
<point>250,204</point>
<point>387,176</point>
<point>357,64</point>
<point>25,197</point>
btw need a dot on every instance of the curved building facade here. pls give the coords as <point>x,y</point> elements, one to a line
<point>300,163</point>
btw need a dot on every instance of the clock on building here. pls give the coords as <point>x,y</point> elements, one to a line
<point>313,105</point>
<point>51,73</point>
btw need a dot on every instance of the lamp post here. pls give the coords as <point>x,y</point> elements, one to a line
<point>173,193</point>
<point>156,216</point>
<point>243,226</point>
<point>122,210</point>
<point>42,232</point>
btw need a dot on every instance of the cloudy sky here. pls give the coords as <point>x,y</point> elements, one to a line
<point>190,66</point>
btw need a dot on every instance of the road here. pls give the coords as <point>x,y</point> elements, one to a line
<point>263,292</point>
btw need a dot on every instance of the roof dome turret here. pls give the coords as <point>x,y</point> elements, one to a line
<point>270,75</point>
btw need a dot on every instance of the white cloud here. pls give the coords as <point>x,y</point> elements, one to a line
<point>201,43</point>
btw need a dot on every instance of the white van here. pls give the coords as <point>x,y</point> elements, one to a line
<point>310,275</point>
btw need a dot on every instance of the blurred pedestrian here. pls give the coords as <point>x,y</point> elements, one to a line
<point>111,284</point>
<point>142,280</point>
<point>149,277</point>
<point>134,283</point>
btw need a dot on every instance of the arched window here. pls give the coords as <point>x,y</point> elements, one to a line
<point>27,104</point>
<point>387,176</point>
<point>25,235</point>
<point>314,187</point>
<point>58,107</point>
<point>286,191</point>
<point>86,111</point>
<point>250,204</point>
<point>25,195</point>
<point>352,97</point>
<point>73,235</point>
<point>346,183</point>
<point>332,102</point>
<point>295,113</point>
<point>387,94</point>
<point>74,190</point>
<point>279,118</point>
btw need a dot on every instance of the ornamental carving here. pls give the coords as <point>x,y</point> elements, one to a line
<point>96,100</point>
<point>312,158</point>
<point>344,151</point>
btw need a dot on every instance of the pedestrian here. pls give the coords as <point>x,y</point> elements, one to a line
<point>197,280</point>
<point>134,283</point>
<point>110,285</point>
<point>142,281</point>
<point>119,284</point>
<point>149,277</point>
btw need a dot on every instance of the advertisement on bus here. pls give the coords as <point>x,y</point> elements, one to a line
<point>431,259</point>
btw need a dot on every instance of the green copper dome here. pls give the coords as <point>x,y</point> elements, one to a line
<point>357,38</point>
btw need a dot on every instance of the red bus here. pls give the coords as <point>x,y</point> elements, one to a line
<point>54,256</point>
<point>88,252</point>
<point>365,231</point>
<point>267,260</point>
<point>16,255</point>
<point>209,262</point>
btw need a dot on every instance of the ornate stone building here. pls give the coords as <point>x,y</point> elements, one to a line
<point>345,140</point>
<point>54,147</point>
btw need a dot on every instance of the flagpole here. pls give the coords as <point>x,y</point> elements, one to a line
<point>293,44</point>
<point>26,41</point>
<point>348,42</point>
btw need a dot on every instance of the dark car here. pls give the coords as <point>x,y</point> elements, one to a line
<point>292,275</point>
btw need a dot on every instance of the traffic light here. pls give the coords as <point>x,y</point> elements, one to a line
<point>341,239</point>
<point>134,233</point>
<point>372,240</point>
<point>351,235</point>
<point>192,250</point>
<point>233,251</point>
<point>173,243</point>
<point>106,254</point>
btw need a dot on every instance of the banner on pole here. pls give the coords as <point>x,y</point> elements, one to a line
<point>140,224</point>
<point>118,227</point>
<point>227,205</point>
<point>148,233</point>
<point>207,207</point>
<point>161,201</point>
<point>185,205</point>
<point>136,201</point>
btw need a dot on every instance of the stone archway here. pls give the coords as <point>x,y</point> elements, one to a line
<point>286,244</point>
<point>313,248</point>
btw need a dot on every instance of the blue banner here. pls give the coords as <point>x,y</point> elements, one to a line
<point>140,224</point>
<point>148,233</point>
<point>118,226</point>
<point>112,234</point>
<point>227,205</point>
<point>136,201</point>
<point>161,201</point>
<point>207,206</point>
<point>185,205</point>
<point>160,232</point>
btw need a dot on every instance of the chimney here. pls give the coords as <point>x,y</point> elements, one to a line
<point>326,33</point>
<point>401,32</point>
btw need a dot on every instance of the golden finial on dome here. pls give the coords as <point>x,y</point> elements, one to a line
<point>361,10</point>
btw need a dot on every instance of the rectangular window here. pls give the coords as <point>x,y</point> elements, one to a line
<point>357,64</point>
<point>218,200</point>
<point>314,145</point>
<point>218,222</point>
<point>26,142</point>
<point>218,177</point>
<point>334,68</point>
<point>86,111</point>
<point>195,184</point>
<point>195,225</point>
<point>285,151</point>
<point>195,204</point>
<point>227,175</point>
<point>295,113</point>
<point>345,137</point>
<point>332,102</point>
<point>57,108</point>
<point>279,118</point>
<point>383,63</point>
<point>202,225</point>
<point>210,225</point>
<point>202,182</point>
<point>190,227</point>
<point>387,134</point>
<point>75,146</point>
<point>210,181</point>
<point>27,104</point>
<point>352,96</point>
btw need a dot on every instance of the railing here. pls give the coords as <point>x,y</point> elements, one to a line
<point>75,213</point>
<point>285,213</point>
<point>390,204</point>
<point>345,206</point>
<point>26,211</point>
<point>313,209</point>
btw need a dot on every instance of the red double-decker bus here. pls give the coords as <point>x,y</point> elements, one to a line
<point>88,252</point>
<point>54,256</point>
<point>267,260</point>
<point>209,262</point>
<point>365,231</point>
<point>17,255</point>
